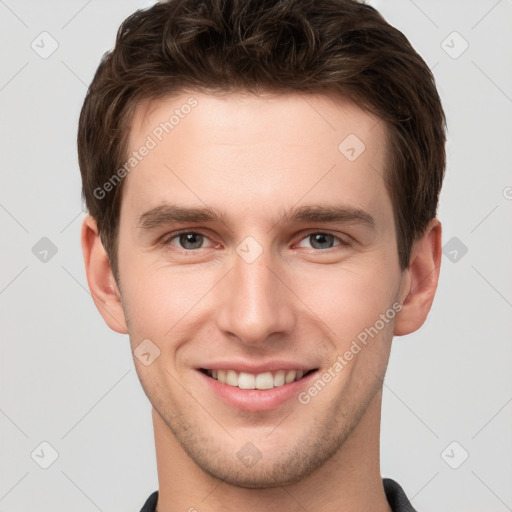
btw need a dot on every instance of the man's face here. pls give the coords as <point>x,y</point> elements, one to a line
<point>262,288</point>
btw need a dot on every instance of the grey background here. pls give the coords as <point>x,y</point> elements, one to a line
<point>67,380</point>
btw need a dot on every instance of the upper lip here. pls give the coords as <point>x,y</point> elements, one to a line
<point>245,366</point>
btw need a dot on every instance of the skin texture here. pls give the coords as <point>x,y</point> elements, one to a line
<point>254,158</point>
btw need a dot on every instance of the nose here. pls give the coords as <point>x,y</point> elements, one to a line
<point>254,304</point>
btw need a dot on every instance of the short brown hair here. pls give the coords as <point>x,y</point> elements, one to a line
<point>336,47</point>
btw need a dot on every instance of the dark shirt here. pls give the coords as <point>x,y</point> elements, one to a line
<point>394,493</point>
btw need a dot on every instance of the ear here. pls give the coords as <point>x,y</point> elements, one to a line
<point>103,287</point>
<point>419,281</point>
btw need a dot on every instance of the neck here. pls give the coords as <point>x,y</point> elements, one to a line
<point>348,481</point>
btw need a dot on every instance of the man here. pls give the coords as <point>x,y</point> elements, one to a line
<point>262,179</point>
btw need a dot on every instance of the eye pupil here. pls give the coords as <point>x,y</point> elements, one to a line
<point>321,239</point>
<point>195,239</point>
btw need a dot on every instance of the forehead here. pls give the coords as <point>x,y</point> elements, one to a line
<point>260,116</point>
<point>247,151</point>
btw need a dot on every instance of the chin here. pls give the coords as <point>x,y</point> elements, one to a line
<point>263,477</point>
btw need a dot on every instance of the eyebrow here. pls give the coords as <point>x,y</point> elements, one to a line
<point>169,213</point>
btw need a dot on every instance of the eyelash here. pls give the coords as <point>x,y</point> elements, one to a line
<point>166,240</point>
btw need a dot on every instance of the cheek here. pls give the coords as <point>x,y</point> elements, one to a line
<point>158,298</point>
<point>348,299</point>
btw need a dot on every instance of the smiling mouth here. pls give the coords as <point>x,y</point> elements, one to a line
<point>265,380</point>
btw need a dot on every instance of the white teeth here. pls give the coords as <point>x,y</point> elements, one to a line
<point>290,376</point>
<point>246,381</point>
<point>279,378</point>
<point>232,378</point>
<point>265,380</point>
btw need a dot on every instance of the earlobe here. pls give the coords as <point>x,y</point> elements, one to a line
<point>419,282</point>
<point>103,287</point>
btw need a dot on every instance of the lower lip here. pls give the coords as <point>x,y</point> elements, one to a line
<point>256,400</point>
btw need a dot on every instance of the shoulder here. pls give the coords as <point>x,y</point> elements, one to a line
<point>150,505</point>
<point>396,496</point>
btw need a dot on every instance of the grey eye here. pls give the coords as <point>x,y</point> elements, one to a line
<point>322,240</point>
<point>190,240</point>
